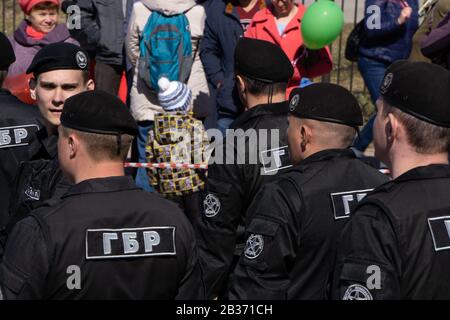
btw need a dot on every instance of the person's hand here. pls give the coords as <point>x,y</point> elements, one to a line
<point>404,15</point>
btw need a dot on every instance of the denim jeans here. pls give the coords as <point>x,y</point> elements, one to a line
<point>142,180</point>
<point>223,124</point>
<point>372,72</point>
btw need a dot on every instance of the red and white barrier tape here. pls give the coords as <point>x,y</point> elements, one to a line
<point>186,166</point>
<point>166,165</point>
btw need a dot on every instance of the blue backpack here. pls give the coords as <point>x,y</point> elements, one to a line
<point>165,49</point>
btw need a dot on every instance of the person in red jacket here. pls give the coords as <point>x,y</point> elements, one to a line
<point>280,24</point>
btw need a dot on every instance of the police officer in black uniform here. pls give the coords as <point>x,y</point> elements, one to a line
<point>60,70</point>
<point>248,156</point>
<point>106,238</point>
<point>397,244</point>
<point>18,124</point>
<point>294,221</point>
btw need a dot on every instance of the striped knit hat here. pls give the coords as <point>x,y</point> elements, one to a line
<point>174,95</point>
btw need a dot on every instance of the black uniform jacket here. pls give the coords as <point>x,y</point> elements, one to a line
<point>18,124</point>
<point>294,225</point>
<point>252,156</point>
<point>397,244</point>
<point>105,239</point>
<point>38,179</point>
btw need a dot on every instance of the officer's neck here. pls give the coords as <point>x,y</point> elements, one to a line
<point>95,170</point>
<point>402,162</point>
<point>253,101</point>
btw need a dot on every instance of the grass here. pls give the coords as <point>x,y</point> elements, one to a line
<point>344,72</point>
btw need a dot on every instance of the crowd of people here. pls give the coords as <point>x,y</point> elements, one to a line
<point>287,207</point>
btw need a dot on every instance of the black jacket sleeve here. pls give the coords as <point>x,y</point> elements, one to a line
<point>217,229</point>
<point>191,286</point>
<point>272,242</point>
<point>26,263</point>
<point>368,263</point>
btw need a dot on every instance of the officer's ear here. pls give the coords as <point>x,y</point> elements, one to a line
<point>240,83</point>
<point>305,136</point>
<point>242,90</point>
<point>32,84</point>
<point>392,127</point>
<point>90,85</point>
<point>74,145</point>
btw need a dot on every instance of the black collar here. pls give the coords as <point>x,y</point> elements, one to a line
<point>109,184</point>
<point>328,154</point>
<point>432,171</point>
<point>259,111</point>
<point>5,92</point>
<point>43,146</point>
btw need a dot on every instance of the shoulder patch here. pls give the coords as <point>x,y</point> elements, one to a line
<point>345,202</point>
<point>357,292</point>
<point>211,205</point>
<point>17,136</point>
<point>254,246</point>
<point>440,232</point>
<point>130,243</point>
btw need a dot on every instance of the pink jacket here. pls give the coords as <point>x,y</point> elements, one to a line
<point>263,27</point>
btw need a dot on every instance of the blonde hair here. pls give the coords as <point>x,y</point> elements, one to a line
<point>103,146</point>
<point>426,138</point>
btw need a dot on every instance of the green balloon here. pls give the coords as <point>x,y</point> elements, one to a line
<point>322,23</point>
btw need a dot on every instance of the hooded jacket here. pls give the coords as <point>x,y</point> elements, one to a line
<point>144,102</point>
<point>390,41</point>
<point>264,27</point>
<point>26,47</point>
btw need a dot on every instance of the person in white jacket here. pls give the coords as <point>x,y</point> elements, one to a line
<point>143,102</point>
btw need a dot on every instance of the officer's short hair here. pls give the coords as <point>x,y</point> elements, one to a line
<point>103,146</point>
<point>260,88</point>
<point>343,134</point>
<point>426,138</point>
<point>328,132</point>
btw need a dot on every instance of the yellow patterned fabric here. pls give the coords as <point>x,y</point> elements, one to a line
<point>176,138</point>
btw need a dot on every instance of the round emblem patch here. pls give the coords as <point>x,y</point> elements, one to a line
<point>387,82</point>
<point>294,102</point>
<point>254,246</point>
<point>211,205</point>
<point>357,292</point>
<point>81,60</point>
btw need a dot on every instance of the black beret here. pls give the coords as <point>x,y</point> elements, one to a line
<point>7,56</point>
<point>326,102</point>
<point>59,56</point>
<point>420,89</point>
<point>263,61</point>
<point>98,112</point>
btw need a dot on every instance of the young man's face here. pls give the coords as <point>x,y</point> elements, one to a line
<point>52,88</point>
